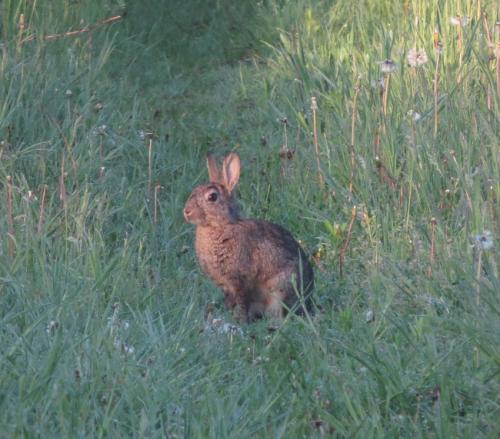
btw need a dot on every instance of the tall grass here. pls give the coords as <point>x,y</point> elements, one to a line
<point>109,329</point>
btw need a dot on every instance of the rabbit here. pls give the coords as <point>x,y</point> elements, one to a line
<point>260,267</point>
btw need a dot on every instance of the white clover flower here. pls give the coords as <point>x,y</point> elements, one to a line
<point>484,241</point>
<point>417,58</point>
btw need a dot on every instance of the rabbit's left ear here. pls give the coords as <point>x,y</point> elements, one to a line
<point>231,171</point>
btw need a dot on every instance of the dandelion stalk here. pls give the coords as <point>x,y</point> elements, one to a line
<point>438,49</point>
<point>62,184</point>
<point>387,79</point>
<point>478,293</point>
<point>460,49</point>
<point>354,117</point>
<point>386,67</point>
<point>497,59</point>
<point>347,240</point>
<point>20,34</point>
<point>157,190</point>
<point>432,256</point>
<point>150,164</point>
<point>41,215</point>
<point>314,109</point>
<point>10,217</point>
<point>285,153</point>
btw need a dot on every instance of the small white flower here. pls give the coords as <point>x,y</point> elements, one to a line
<point>69,93</point>
<point>484,241</point>
<point>52,327</point>
<point>129,350</point>
<point>459,20</point>
<point>30,196</point>
<point>416,116</point>
<point>361,161</point>
<point>219,326</point>
<point>100,130</point>
<point>387,66</point>
<point>370,316</point>
<point>417,58</point>
<point>259,360</point>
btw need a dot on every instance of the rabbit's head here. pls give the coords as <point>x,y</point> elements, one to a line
<point>213,203</point>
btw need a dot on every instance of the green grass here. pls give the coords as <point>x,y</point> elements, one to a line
<point>103,327</point>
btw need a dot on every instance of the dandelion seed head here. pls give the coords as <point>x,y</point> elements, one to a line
<point>484,241</point>
<point>458,20</point>
<point>379,83</point>
<point>314,104</point>
<point>387,66</point>
<point>69,93</point>
<point>417,58</point>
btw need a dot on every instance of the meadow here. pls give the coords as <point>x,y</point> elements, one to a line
<point>369,129</point>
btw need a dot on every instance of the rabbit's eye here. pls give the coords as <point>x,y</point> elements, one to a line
<point>212,196</point>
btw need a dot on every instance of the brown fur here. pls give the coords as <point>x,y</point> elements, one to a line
<point>259,265</point>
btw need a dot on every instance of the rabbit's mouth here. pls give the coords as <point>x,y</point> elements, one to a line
<point>188,214</point>
<point>192,215</point>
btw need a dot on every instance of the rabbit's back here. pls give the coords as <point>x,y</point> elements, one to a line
<point>258,264</point>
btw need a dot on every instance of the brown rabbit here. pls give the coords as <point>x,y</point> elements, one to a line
<point>261,268</point>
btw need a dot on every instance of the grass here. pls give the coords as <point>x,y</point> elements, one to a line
<point>107,324</point>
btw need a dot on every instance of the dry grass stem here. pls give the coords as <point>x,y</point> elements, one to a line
<point>346,242</point>
<point>314,109</point>
<point>84,30</point>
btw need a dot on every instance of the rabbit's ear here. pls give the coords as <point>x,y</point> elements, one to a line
<point>213,170</point>
<point>231,171</point>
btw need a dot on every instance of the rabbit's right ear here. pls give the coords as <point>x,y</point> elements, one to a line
<point>231,171</point>
<point>213,171</point>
